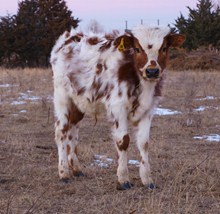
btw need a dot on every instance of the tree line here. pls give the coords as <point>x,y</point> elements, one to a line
<point>26,39</point>
<point>202,26</point>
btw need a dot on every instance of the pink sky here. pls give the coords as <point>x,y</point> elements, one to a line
<point>114,13</point>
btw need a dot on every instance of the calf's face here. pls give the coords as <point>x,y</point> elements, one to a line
<point>156,43</point>
<point>159,56</point>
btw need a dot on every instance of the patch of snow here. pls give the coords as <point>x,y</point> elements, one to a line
<point>134,162</point>
<point>206,98</point>
<point>163,111</point>
<point>211,137</point>
<point>104,162</point>
<point>28,97</point>
<point>201,108</point>
<point>7,85</point>
<point>23,111</point>
<point>15,102</point>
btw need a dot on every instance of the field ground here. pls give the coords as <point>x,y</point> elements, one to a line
<point>186,170</point>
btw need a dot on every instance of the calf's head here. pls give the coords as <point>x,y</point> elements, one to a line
<point>131,48</point>
<point>156,42</point>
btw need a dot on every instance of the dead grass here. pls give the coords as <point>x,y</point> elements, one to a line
<point>186,170</point>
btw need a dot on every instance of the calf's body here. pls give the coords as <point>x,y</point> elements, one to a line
<point>123,72</point>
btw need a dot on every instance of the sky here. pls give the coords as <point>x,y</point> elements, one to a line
<point>113,14</point>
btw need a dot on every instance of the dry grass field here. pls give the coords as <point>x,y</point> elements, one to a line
<point>186,169</point>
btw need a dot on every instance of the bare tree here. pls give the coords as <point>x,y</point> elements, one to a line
<point>95,27</point>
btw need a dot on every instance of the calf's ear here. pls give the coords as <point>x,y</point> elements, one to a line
<point>176,40</point>
<point>124,42</point>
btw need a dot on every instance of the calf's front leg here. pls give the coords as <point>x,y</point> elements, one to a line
<point>121,140</point>
<point>142,140</point>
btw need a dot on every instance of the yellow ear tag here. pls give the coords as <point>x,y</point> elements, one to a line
<point>121,46</point>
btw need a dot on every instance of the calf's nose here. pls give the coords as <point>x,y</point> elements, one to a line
<point>152,72</point>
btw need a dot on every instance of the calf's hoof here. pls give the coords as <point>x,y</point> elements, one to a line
<point>64,180</point>
<point>151,186</point>
<point>78,174</point>
<point>124,186</point>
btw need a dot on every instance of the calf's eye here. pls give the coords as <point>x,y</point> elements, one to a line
<point>137,50</point>
<point>164,49</point>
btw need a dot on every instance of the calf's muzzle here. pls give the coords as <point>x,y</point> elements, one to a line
<point>152,73</point>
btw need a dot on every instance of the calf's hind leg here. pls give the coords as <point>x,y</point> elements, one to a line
<point>66,136</point>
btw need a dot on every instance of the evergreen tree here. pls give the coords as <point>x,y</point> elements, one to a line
<point>38,24</point>
<point>202,26</point>
<point>7,38</point>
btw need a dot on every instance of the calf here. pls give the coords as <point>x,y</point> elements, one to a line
<point>114,70</point>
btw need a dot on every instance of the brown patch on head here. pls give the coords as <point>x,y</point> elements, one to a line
<point>123,145</point>
<point>124,43</point>
<point>175,40</point>
<point>93,40</point>
<point>68,149</point>
<point>140,56</point>
<point>163,54</point>
<point>171,40</point>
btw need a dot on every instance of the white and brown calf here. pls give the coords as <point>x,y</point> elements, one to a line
<point>114,70</point>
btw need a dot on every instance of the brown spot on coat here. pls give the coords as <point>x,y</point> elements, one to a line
<point>116,124</point>
<point>76,150</point>
<point>70,137</point>
<point>96,84</point>
<point>99,68</point>
<point>74,115</point>
<point>93,40</point>
<point>81,91</point>
<point>66,128</point>
<point>68,149</point>
<point>124,144</point>
<point>57,123</point>
<point>105,46</point>
<point>145,147</point>
<point>71,162</point>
